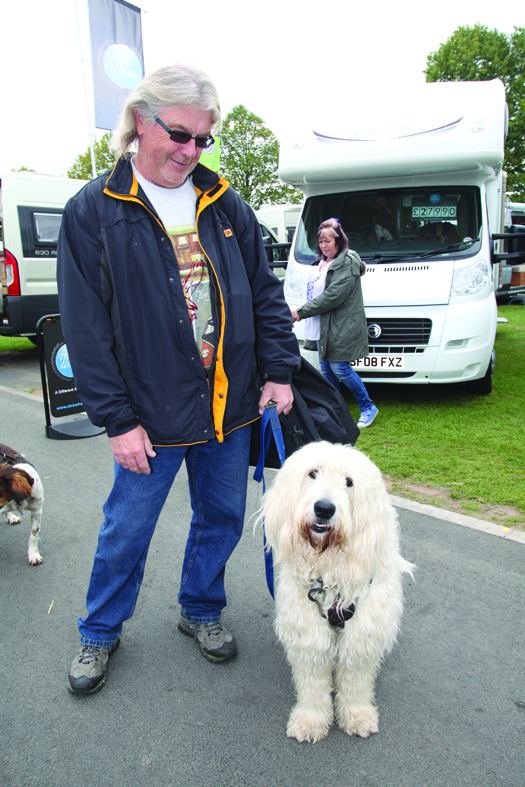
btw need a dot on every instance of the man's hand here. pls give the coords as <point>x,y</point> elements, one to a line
<point>295,316</point>
<point>131,450</point>
<point>280,394</point>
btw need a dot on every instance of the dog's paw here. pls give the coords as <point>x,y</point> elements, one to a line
<point>12,519</point>
<point>34,557</point>
<point>362,721</point>
<point>306,726</point>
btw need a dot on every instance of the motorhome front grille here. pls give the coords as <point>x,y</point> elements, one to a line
<point>398,332</point>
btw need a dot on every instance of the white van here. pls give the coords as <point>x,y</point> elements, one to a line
<point>282,219</point>
<point>418,189</point>
<point>31,209</point>
<point>515,213</point>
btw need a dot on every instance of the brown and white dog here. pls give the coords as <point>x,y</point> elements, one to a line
<point>21,490</point>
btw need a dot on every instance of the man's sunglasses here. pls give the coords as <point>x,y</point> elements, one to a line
<point>182,137</point>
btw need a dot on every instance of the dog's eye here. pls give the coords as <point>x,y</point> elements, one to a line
<point>313,474</point>
<point>349,482</point>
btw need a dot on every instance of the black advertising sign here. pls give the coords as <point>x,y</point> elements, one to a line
<point>58,384</point>
<point>63,398</point>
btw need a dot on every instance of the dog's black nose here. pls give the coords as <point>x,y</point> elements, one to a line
<point>324,509</point>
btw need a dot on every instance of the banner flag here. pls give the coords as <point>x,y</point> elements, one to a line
<point>118,60</point>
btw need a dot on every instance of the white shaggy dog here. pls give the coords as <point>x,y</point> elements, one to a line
<point>334,536</point>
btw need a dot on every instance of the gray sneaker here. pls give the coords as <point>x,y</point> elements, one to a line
<point>215,641</point>
<point>89,670</point>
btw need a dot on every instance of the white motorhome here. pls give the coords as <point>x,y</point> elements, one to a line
<point>282,219</point>
<point>31,209</point>
<point>418,189</point>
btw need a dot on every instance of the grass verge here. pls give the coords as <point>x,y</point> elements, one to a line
<point>443,445</point>
<point>8,343</point>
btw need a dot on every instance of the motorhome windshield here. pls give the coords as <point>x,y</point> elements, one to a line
<point>389,223</point>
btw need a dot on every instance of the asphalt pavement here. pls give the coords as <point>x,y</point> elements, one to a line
<point>451,695</point>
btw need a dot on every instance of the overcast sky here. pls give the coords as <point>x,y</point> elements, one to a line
<point>282,59</point>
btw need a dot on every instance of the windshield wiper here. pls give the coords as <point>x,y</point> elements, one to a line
<point>386,257</point>
<point>435,252</point>
<point>416,255</point>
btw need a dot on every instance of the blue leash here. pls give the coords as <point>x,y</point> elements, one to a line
<point>270,424</point>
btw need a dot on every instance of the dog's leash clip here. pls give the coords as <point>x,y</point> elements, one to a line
<point>317,594</point>
<point>337,615</point>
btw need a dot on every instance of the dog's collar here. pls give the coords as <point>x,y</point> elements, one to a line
<point>11,457</point>
<point>337,615</point>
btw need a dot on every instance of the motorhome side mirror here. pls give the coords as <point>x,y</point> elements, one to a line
<point>515,246</point>
<point>517,241</point>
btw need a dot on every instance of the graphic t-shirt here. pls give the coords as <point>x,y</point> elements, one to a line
<point>177,210</point>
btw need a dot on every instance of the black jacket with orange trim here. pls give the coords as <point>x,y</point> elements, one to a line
<point>126,323</point>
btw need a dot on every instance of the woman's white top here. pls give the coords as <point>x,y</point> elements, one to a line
<point>315,286</point>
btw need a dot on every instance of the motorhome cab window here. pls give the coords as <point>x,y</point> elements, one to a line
<point>382,225</point>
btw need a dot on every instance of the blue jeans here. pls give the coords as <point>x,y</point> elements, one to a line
<point>343,372</point>
<point>218,479</point>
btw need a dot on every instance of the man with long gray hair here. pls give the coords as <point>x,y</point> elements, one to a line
<point>179,335</point>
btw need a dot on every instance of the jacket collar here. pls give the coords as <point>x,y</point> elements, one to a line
<point>350,256</point>
<point>121,181</point>
<point>338,261</point>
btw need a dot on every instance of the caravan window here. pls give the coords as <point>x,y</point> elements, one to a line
<point>39,228</point>
<point>47,226</point>
<point>396,222</point>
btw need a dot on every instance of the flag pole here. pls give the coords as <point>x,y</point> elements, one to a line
<point>91,131</point>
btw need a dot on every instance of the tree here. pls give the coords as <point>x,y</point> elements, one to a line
<point>23,169</point>
<point>477,53</point>
<point>104,159</point>
<point>249,159</point>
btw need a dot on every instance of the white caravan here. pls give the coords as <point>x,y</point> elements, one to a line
<point>418,189</point>
<point>282,220</point>
<point>31,209</point>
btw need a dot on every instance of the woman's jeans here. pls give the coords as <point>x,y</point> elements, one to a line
<point>218,479</point>
<point>343,372</point>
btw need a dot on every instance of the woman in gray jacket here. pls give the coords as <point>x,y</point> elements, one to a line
<point>334,314</point>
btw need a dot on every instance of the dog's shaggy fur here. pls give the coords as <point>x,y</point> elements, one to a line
<point>334,534</point>
<point>21,489</point>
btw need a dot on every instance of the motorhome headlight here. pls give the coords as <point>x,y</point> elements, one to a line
<point>295,281</point>
<point>471,280</point>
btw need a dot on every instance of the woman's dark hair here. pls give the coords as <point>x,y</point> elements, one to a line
<point>338,233</point>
